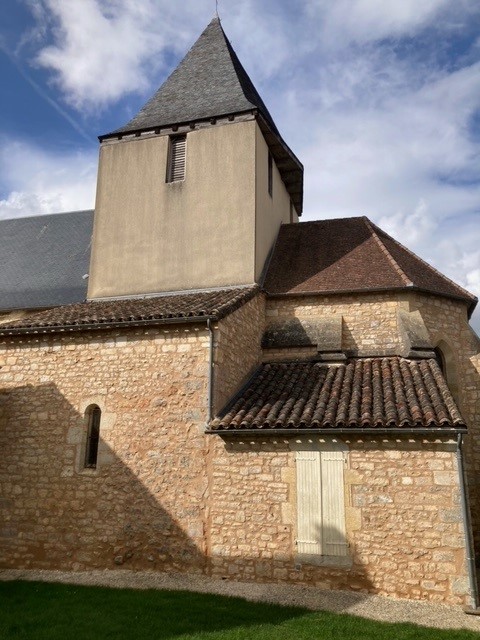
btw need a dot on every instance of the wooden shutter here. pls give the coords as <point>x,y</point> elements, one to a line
<point>333,503</point>
<point>320,503</point>
<point>177,157</point>
<point>309,516</point>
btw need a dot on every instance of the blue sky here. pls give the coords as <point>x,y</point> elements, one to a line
<point>380,100</point>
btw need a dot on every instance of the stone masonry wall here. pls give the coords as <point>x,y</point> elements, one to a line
<point>370,324</point>
<point>143,507</point>
<point>447,324</point>
<point>402,515</point>
<point>166,496</point>
<point>370,327</point>
<point>237,349</point>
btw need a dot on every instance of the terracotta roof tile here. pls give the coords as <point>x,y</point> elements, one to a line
<point>383,393</point>
<point>349,255</point>
<point>104,313</point>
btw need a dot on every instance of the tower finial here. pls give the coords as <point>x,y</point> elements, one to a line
<point>216,9</point>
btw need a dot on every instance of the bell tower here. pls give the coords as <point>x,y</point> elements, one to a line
<point>192,191</point>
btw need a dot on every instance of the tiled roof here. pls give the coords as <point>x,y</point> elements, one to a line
<point>349,255</point>
<point>44,259</point>
<point>105,313</point>
<point>373,393</point>
<point>209,82</point>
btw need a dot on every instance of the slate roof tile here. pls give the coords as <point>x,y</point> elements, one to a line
<point>44,259</point>
<point>209,82</point>
<point>383,393</point>
<point>199,304</point>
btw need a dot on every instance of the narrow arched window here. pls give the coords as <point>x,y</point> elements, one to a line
<point>440,359</point>
<point>445,357</point>
<point>93,415</point>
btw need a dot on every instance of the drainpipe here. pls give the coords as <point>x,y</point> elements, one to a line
<point>467,526</point>
<point>210,375</point>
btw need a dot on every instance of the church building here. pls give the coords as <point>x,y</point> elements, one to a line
<point>193,380</point>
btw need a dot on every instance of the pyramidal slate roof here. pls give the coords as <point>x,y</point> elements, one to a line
<point>350,255</point>
<point>44,259</point>
<point>209,82</point>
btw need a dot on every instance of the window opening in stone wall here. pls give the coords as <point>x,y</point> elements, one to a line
<point>176,158</point>
<point>270,173</point>
<point>93,415</point>
<point>445,356</point>
<point>440,359</point>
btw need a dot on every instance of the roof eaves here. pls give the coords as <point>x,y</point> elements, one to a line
<point>99,326</point>
<point>426,432</point>
<point>282,151</point>
<point>338,292</point>
<point>217,314</point>
<point>175,127</point>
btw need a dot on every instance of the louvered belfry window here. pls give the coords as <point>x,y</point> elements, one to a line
<point>320,503</point>
<point>176,158</point>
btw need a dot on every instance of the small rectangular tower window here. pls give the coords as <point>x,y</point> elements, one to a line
<point>270,173</point>
<point>176,158</point>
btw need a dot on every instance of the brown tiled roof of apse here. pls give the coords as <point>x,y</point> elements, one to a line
<point>371,393</point>
<point>200,304</point>
<point>349,255</point>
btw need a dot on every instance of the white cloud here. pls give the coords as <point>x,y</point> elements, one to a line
<point>382,131</point>
<point>359,22</point>
<point>392,140</point>
<point>100,47</point>
<point>362,21</point>
<point>39,182</point>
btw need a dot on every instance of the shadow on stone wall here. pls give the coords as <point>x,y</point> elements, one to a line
<point>54,515</point>
<point>471,381</point>
<point>57,515</point>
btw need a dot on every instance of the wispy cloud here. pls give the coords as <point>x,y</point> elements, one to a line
<point>100,50</point>
<point>44,182</point>
<point>43,93</point>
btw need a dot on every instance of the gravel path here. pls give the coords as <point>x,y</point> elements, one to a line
<point>367,606</point>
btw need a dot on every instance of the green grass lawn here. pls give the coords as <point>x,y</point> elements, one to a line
<point>36,610</point>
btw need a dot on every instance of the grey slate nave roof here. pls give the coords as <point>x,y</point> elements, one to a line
<point>44,259</point>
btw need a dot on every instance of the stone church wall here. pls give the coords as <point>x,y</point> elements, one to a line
<point>143,506</point>
<point>165,496</point>
<point>237,349</point>
<point>370,327</point>
<point>369,321</point>
<point>448,329</point>
<point>403,519</point>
